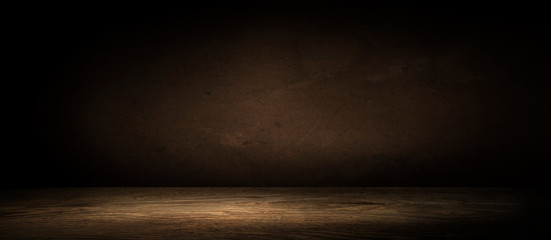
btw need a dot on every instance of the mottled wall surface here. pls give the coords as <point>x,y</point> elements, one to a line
<point>292,96</point>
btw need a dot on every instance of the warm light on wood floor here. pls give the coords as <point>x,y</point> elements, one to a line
<point>236,213</point>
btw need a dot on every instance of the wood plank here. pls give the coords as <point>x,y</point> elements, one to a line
<point>262,213</point>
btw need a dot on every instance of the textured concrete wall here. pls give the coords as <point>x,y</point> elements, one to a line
<point>295,97</point>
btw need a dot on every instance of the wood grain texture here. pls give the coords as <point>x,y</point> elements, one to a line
<point>261,213</point>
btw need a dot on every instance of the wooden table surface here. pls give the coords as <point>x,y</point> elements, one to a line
<point>264,213</point>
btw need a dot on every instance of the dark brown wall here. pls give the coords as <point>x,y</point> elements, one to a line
<point>283,95</point>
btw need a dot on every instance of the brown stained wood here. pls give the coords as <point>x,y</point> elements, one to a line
<point>261,213</point>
